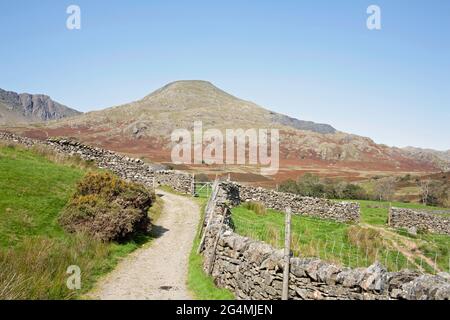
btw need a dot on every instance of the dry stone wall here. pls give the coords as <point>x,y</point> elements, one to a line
<point>179,181</point>
<point>253,270</point>
<point>317,207</point>
<point>414,220</point>
<point>125,167</point>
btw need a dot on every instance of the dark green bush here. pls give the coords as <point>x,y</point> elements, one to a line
<point>107,208</point>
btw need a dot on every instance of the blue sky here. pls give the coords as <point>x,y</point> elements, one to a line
<point>314,60</point>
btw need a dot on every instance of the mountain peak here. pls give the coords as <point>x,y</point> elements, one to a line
<point>190,88</point>
<point>196,99</point>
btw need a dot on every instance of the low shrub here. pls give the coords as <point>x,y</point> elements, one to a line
<point>367,239</point>
<point>107,208</point>
<point>256,207</point>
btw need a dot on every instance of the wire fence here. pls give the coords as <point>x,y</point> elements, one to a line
<point>348,245</point>
<point>202,189</point>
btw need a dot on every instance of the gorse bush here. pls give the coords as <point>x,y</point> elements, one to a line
<point>107,208</point>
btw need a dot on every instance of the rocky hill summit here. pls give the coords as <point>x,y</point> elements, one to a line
<point>180,103</point>
<point>26,108</point>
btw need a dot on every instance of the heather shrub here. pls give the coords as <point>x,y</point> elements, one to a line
<point>107,208</point>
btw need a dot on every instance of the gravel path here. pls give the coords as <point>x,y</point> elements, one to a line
<point>160,270</point>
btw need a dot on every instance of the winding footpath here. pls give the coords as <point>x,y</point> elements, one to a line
<point>158,271</point>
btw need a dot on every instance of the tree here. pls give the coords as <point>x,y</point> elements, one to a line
<point>425,190</point>
<point>340,189</point>
<point>384,188</point>
<point>353,192</point>
<point>438,193</point>
<point>289,186</point>
<point>309,185</point>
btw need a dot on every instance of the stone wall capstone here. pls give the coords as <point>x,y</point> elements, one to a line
<point>317,207</point>
<point>418,220</point>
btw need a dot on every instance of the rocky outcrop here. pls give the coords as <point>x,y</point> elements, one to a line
<point>414,220</point>
<point>125,167</point>
<point>26,107</point>
<point>317,207</point>
<point>302,124</point>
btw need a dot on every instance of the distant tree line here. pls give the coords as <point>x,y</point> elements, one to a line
<point>433,192</point>
<point>310,185</point>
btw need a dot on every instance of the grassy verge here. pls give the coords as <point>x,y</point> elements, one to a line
<point>199,283</point>
<point>34,250</point>
<point>156,210</point>
<point>171,190</point>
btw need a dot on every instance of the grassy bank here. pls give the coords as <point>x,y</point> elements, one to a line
<point>34,250</point>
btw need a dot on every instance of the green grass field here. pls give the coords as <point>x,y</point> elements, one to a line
<point>34,251</point>
<point>376,212</point>
<point>349,244</point>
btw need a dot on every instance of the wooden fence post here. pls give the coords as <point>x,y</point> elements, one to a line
<point>287,254</point>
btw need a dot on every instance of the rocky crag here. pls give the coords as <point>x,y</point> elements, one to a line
<point>26,108</point>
